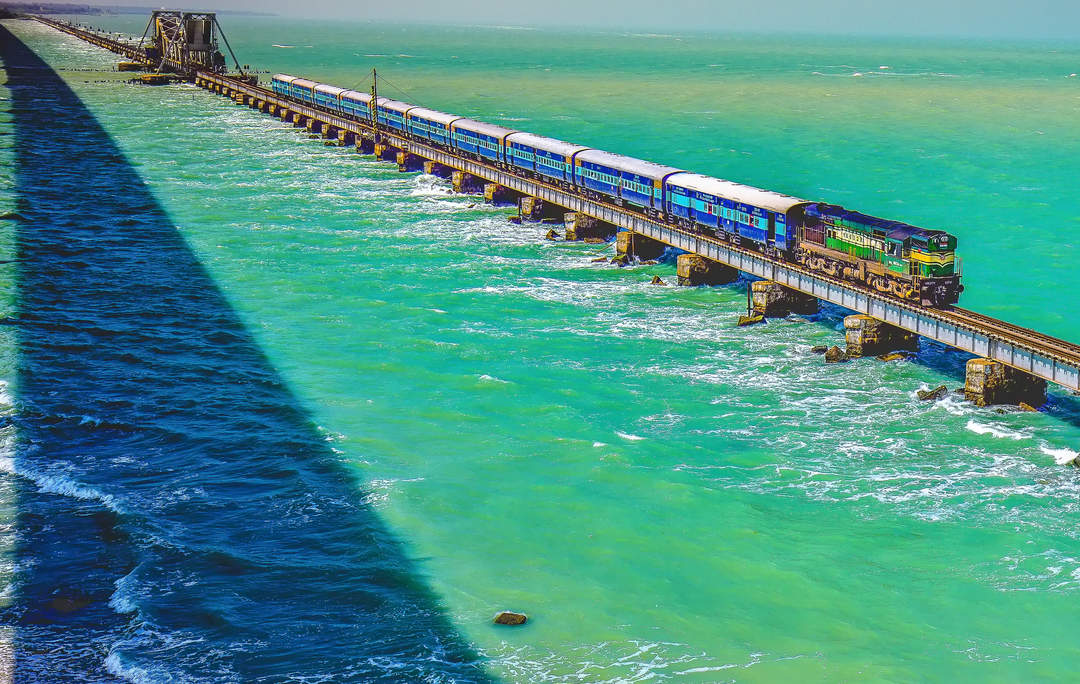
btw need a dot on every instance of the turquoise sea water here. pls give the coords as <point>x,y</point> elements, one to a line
<point>664,494</point>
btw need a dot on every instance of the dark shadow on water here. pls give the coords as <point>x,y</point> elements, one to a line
<point>179,514</point>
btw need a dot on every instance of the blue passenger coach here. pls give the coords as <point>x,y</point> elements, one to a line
<point>328,96</point>
<point>280,84</point>
<point>354,103</point>
<point>479,138</point>
<point>303,90</point>
<point>392,113</point>
<point>430,124</point>
<point>723,207</point>
<point>543,156</point>
<point>635,181</point>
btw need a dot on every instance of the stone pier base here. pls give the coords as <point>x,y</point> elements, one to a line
<point>500,194</point>
<point>434,168</point>
<point>868,336</point>
<point>773,300</point>
<point>365,146</point>
<point>536,209</point>
<point>385,152</point>
<point>630,245</point>
<point>346,138</point>
<point>407,162</point>
<point>697,270</point>
<point>992,382</point>
<point>584,227</point>
<point>466,183</point>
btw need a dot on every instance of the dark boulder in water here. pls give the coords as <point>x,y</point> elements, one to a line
<point>835,355</point>
<point>819,349</point>
<point>934,394</point>
<point>751,320</point>
<point>656,280</point>
<point>511,618</point>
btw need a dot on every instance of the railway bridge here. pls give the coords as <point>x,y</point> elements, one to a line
<point>1013,364</point>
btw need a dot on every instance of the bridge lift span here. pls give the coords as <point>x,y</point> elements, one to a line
<point>187,42</point>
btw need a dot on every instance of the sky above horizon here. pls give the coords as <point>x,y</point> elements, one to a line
<point>1032,19</point>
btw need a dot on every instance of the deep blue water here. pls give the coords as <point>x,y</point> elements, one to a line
<point>179,514</point>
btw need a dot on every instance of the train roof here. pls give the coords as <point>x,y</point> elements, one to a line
<point>737,192</point>
<point>303,83</point>
<point>483,128</point>
<point>898,230</point>
<point>356,95</point>
<point>433,115</point>
<point>546,144</point>
<point>629,164</point>
<point>394,105</point>
<point>329,89</point>
<point>285,78</point>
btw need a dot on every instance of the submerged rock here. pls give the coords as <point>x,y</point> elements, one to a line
<point>895,356</point>
<point>819,349</point>
<point>835,355</point>
<point>506,617</point>
<point>620,260</point>
<point>514,218</point>
<point>552,235</point>
<point>934,394</point>
<point>751,320</point>
<point>1028,407</point>
<point>600,260</point>
<point>656,280</point>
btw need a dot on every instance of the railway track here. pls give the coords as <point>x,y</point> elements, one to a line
<point>1031,339</point>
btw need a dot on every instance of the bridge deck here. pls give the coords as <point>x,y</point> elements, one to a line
<point>1051,359</point>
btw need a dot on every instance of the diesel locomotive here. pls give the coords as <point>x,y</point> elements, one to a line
<point>896,259</point>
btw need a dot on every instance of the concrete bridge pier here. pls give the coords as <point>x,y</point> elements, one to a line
<point>365,145</point>
<point>868,336</point>
<point>773,300</point>
<point>630,245</point>
<point>346,138</point>
<point>466,183</point>
<point>535,209</point>
<point>697,270</point>
<point>408,162</point>
<point>587,228</point>
<point>992,382</point>
<point>500,194</point>
<point>434,168</point>
<point>385,152</point>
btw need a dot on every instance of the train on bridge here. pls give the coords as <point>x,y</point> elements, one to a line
<point>893,258</point>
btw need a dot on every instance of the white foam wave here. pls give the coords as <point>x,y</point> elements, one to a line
<point>998,431</point>
<point>628,436</point>
<point>1063,456</point>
